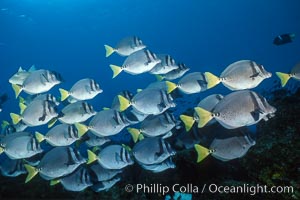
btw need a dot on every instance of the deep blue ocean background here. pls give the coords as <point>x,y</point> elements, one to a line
<point>68,36</point>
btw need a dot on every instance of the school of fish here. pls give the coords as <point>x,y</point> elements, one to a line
<point>146,115</point>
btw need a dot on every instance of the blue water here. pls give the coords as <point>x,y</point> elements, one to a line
<point>67,36</point>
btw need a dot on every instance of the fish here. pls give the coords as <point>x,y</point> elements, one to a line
<point>189,84</point>
<point>104,123</point>
<point>152,150</point>
<point>240,75</point>
<point>174,74</point>
<point>77,181</point>
<point>226,149</point>
<point>31,98</point>
<point>238,109</point>
<point>111,157</point>
<point>102,174</point>
<point>137,63</point>
<point>208,103</point>
<point>83,89</point>
<point>126,46</point>
<point>105,185</point>
<point>60,135</point>
<point>37,113</point>
<point>20,145</point>
<point>156,168</point>
<point>284,77</point>
<point>57,162</point>
<point>79,111</point>
<point>19,77</point>
<point>284,38</point>
<point>166,65</point>
<point>37,82</point>
<point>12,167</point>
<point>154,125</point>
<point>148,101</point>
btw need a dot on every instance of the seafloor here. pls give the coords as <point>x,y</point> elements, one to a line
<point>274,160</point>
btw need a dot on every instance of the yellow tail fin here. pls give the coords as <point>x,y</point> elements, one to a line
<point>134,133</point>
<point>204,116</point>
<point>63,94</point>
<point>54,182</point>
<point>124,103</point>
<point>82,129</point>
<point>283,78</point>
<point>202,152</point>
<point>32,172</point>
<point>211,79</point>
<point>91,157</point>
<point>188,122</point>
<point>40,137</point>
<point>22,107</point>
<point>116,70</point>
<point>170,86</point>
<point>109,50</point>
<point>17,89</point>
<point>15,118</point>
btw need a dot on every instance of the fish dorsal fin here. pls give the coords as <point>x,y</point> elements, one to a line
<point>20,69</point>
<point>32,68</point>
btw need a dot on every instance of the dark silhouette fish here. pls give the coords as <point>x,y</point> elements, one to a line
<point>284,39</point>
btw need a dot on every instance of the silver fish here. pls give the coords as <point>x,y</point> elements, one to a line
<point>154,125</point>
<point>240,75</point>
<point>111,157</point>
<point>38,81</point>
<point>226,149</point>
<point>126,46</point>
<point>148,101</point>
<point>83,89</point>
<point>60,135</point>
<point>137,63</point>
<point>94,140</point>
<point>76,112</point>
<point>20,145</point>
<point>237,109</point>
<point>152,151</point>
<point>189,84</point>
<point>104,123</point>
<point>31,98</point>
<point>58,162</point>
<point>37,113</point>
